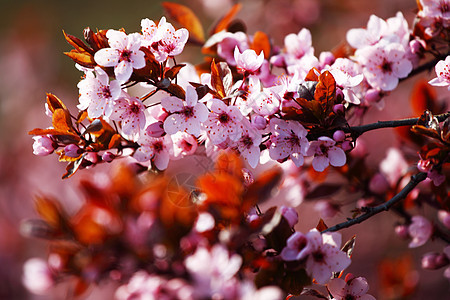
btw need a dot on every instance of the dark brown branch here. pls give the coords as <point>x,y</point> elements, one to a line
<point>371,211</point>
<point>359,130</point>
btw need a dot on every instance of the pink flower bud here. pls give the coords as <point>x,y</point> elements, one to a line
<point>347,146</point>
<point>417,46</point>
<point>91,157</point>
<point>290,214</point>
<point>339,109</point>
<point>444,217</point>
<point>43,145</point>
<point>326,58</point>
<point>378,184</point>
<point>420,230</point>
<point>72,150</point>
<point>402,231</point>
<point>259,122</point>
<point>433,261</point>
<point>373,96</point>
<point>339,136</point>
<point>424,165</point>
<point>156,129</point>
<point>339,95</point>
<point>108,157</point>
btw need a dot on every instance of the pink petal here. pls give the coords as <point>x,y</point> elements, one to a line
<point>138,60</point>
<point>191,96</point>
<point>143,154</point>
<point>107,57</point>
<point>337,287</point>
<point>172,124</point>
<point>297,158</point>
<point>358,286</point>
<point>252,156</point>
<point>201,112</point>
<point>336,156</point>
<point>172,104</point>
<point>320,163</point>
<point>162,160</point>
<point>123,71</point>
<point>335,258</point>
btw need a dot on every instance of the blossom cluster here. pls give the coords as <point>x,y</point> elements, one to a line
<point>286,112</point>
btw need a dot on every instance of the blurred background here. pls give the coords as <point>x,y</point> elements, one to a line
<point>32,63</point>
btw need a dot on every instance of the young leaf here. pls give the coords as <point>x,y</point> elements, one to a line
<point>186,18</point>
<point>326,89</point>
<point>54,103</point>
<point>221,78</point>
<point>83,59</point>
<point>321,226</point>
<point>172,72</point>
<point>260,43</point>
<point>77,43</point>
<point>226,20</point>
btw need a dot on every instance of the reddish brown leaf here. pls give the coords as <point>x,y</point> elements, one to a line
<point>176,90</point>
<point>61,121</point>
<point>172,72</point>
<point>312,75</point>
<point>422,130</point>
<point>115,141</point>
<point>260,43</point>
<point>223,23</point>
<point>84,59</point>
<point>326,89</point>
<point>321,226</point>
<point>221,78</point>
<point>72,167</point>
<point>54,103</point>
<point>187,19</point>
<point>50,210</point>
<point>263,187</point>
<point>77,43</point>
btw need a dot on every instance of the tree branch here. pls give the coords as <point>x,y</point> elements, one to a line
<point>371,211</point>
<point>359,130</point>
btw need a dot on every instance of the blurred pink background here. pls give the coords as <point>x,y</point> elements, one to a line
<point>32,63</point>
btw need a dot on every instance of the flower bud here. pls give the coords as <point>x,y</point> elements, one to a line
<point>433,261</point>
<point>290,214</point>
<point>424,165</point>
<point>259,122</point>
<point>339,136</point>
<point>402,231</point>
<point>444,217</point>
<point>108,157</point>
<point>339,109</point>
<point>72,150</point>
<point>347,146</point>
<point>326,58</point>
<point>91,157</point>
<point>417,46</point>
<point>372,96</point>
<point>155,129</point>
<point>43,145</point>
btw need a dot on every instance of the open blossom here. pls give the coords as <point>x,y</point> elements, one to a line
<point>163,40</point>
<point>186,116</point>
<point>97,93</point>
<point>353,288</point>
<point>248,144</point>
<point>157,149</point>
<point>124,54</point>
<point>326,153</point>
<point>288,140</point>
<point>325,255</point>
<point>347,76</point>
<point>223,121</point>
<point>420,230</point>
<point>298,45</point>
<point>213,271</point>
<point>183,144</point>
<point>130,111</point>
<point>266,102</point>
<point>443,73</point>
<point>248,61</point>
<point>226,43</point>
<point>296,247</point>
<point>383,65</point>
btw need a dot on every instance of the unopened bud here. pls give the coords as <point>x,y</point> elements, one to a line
<point>378,184</point>
<point>156,129</point>
<point>108,157</point>
<point>259,122</point>
<point>347,146</point>
<point>326,58</point>
<point>444,217</point>
<point>417,46</point>
<point>433,261</point>
<point>339,136</point>
<point>339,109</point>
<point>290,214</point>
<point>72,150</point>
<point>373,96</point>
<point>402,231</point>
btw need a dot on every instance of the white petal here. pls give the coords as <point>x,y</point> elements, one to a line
<point>336,156</point>
<point>107,57</point>
<point>123,71</point>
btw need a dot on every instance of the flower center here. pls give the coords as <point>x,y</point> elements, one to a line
<point>386,66</point>
<point>318,257</point>
<point>134,108</point>
<point>349,297</point>
<point>158,146</point>
<point>106,92</point>
<point>188,112</point>
<point>247,141</point>
<point>224,118</point>
<point>125,55</point>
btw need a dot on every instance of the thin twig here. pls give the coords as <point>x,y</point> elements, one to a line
<point>371,211</point>
<point>359,130</point>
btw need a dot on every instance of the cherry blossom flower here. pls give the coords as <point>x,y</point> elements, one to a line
<point>297,248</point>
<point>37,276</point>
<point>226,43</point>
<point>150,31</point>
<point>325,256</point>
<point>326,153</point>
<point>157,149</point>
<point>130,111</point>
<point>266,102</point>
<point>223,121</point>
<point>298,45</point>
<point>97,93</point>
<point>347,76</point>
<point>288,140</point>
<point>436,9</point>
<point>168,42</point>
<point>184,117</point>
<point>394,166</point>
<point>383,65</point>
<point>124,54</point>
<point>420,230</point>
<point>248,144</point>
<point>183,144</point>
<point>290,214</point>
<point>248,62</point>
<point>442,69</point>
<point>43,145</point>
<point>213,270</point>
<point>353,288</point>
